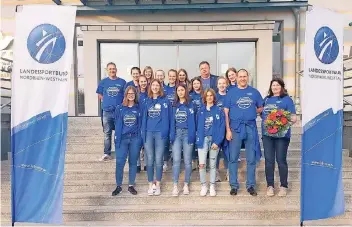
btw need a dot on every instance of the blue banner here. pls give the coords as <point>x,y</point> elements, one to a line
<point>322,117</point>
<point>40,86</point>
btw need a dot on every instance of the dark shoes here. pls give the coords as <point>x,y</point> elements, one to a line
<point>233,191</point>
<point>252,191</point>
<point>138,169</point>
<point>132,190</point>
<point>117,191</point>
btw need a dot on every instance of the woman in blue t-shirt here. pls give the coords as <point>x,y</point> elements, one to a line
<point>182,136</point>
<point>210,135</point>
<point>182,78</point>
<point>276,147</point>
<point>155,132</point>
<point>127,138</point>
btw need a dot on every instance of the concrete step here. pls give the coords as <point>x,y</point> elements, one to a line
<point>96,147</point>
<point>337,221</point>
<point>180,212</point>
<point>166,187</point>
<point>97,165</point>
<point>142,198</point>
<point>74,131</point>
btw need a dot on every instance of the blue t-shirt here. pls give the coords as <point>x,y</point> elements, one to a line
<point>231,86</point>
<point>275,102</point>
<point>142,97</point>
<point>208,125</point>
<point>220,99</point>
<point>130,120</point>
<point>154,115</point>
<point>181,116</point>
<point>196,100</point>
<point>112,92</point>
<point>170,93</point>
<point>205,83</point>
<point>243,104</point>
<point>130,83</point>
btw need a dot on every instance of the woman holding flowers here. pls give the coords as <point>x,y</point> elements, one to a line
<point>277,117</point>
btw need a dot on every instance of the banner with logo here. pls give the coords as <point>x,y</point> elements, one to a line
<point>42,63</point>
<point>322,117</point>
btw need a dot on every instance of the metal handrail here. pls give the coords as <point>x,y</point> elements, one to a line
<point>7,104</point>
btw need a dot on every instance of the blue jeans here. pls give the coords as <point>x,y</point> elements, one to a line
<point>202,154</point>
<point>154,148</point>
<point>235,149</point>
<point>130,146</point>
<point>108,126</point>
<point>181,144</point>
<point>276,147</point>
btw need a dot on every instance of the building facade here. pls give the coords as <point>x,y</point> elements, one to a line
<point>264,37</point>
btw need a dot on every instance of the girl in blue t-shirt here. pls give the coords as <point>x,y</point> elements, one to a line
<point>148,72</point>
<point>155,133</point>
<point>196,97</point>
<point>182,136</point>
<point>142,95</point>
<point>231,75</point>
<point>210,135</point>
<point>127,138</point>
<point>222,85</point>
<point>182,78</point>
<point>276,147</point>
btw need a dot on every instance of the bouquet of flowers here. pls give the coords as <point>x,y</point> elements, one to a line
<point>277,123</point>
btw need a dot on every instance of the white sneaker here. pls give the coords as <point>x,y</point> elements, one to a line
<point>150,189</point>
<point>105,157</point>
<point>165,167</point>
<point>217,178</point>
<point>186,189</point>
<point>212,190</point>
<point>204,190</point>
<point>175,190</point>
<point>239,159</point>
<point>157,190</point>
<point>270,191</point>
<point>283,191</point>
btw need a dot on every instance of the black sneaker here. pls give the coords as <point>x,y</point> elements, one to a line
<point>117,191</point>
<point>138,169</point>
<point>132,190</point>
<point>233,191</point>
<point>145,168</point>
<point>252,191</point>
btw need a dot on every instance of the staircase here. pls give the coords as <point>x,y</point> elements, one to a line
<point>89,183</point>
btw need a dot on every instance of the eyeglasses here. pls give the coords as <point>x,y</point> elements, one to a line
<point>131,93</point>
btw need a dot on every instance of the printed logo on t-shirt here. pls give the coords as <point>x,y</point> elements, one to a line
<point>278,101</point>
<point>208,122</point>
<point>220,103</point>
<point>197,103</point>
<point>181,116</point>
<point>269,107</point>
<point>244,102</point>
<point>154,111</point>
<point>112,91</point>
<point>129,120</point>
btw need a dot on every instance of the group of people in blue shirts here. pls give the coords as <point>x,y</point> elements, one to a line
<point>201,120</point>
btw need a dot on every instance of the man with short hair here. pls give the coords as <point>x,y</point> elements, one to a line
<point>242,103</point>
<point>208,80</point>
<point>110,91</point>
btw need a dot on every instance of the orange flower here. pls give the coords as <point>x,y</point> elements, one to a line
<point>284,120</point>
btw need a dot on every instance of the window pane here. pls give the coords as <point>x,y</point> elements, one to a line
<point>240,55</point>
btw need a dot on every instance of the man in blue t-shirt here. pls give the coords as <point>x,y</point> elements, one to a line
<point>242,103</point>
<point>208,80</point>
<point>110,91</point>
